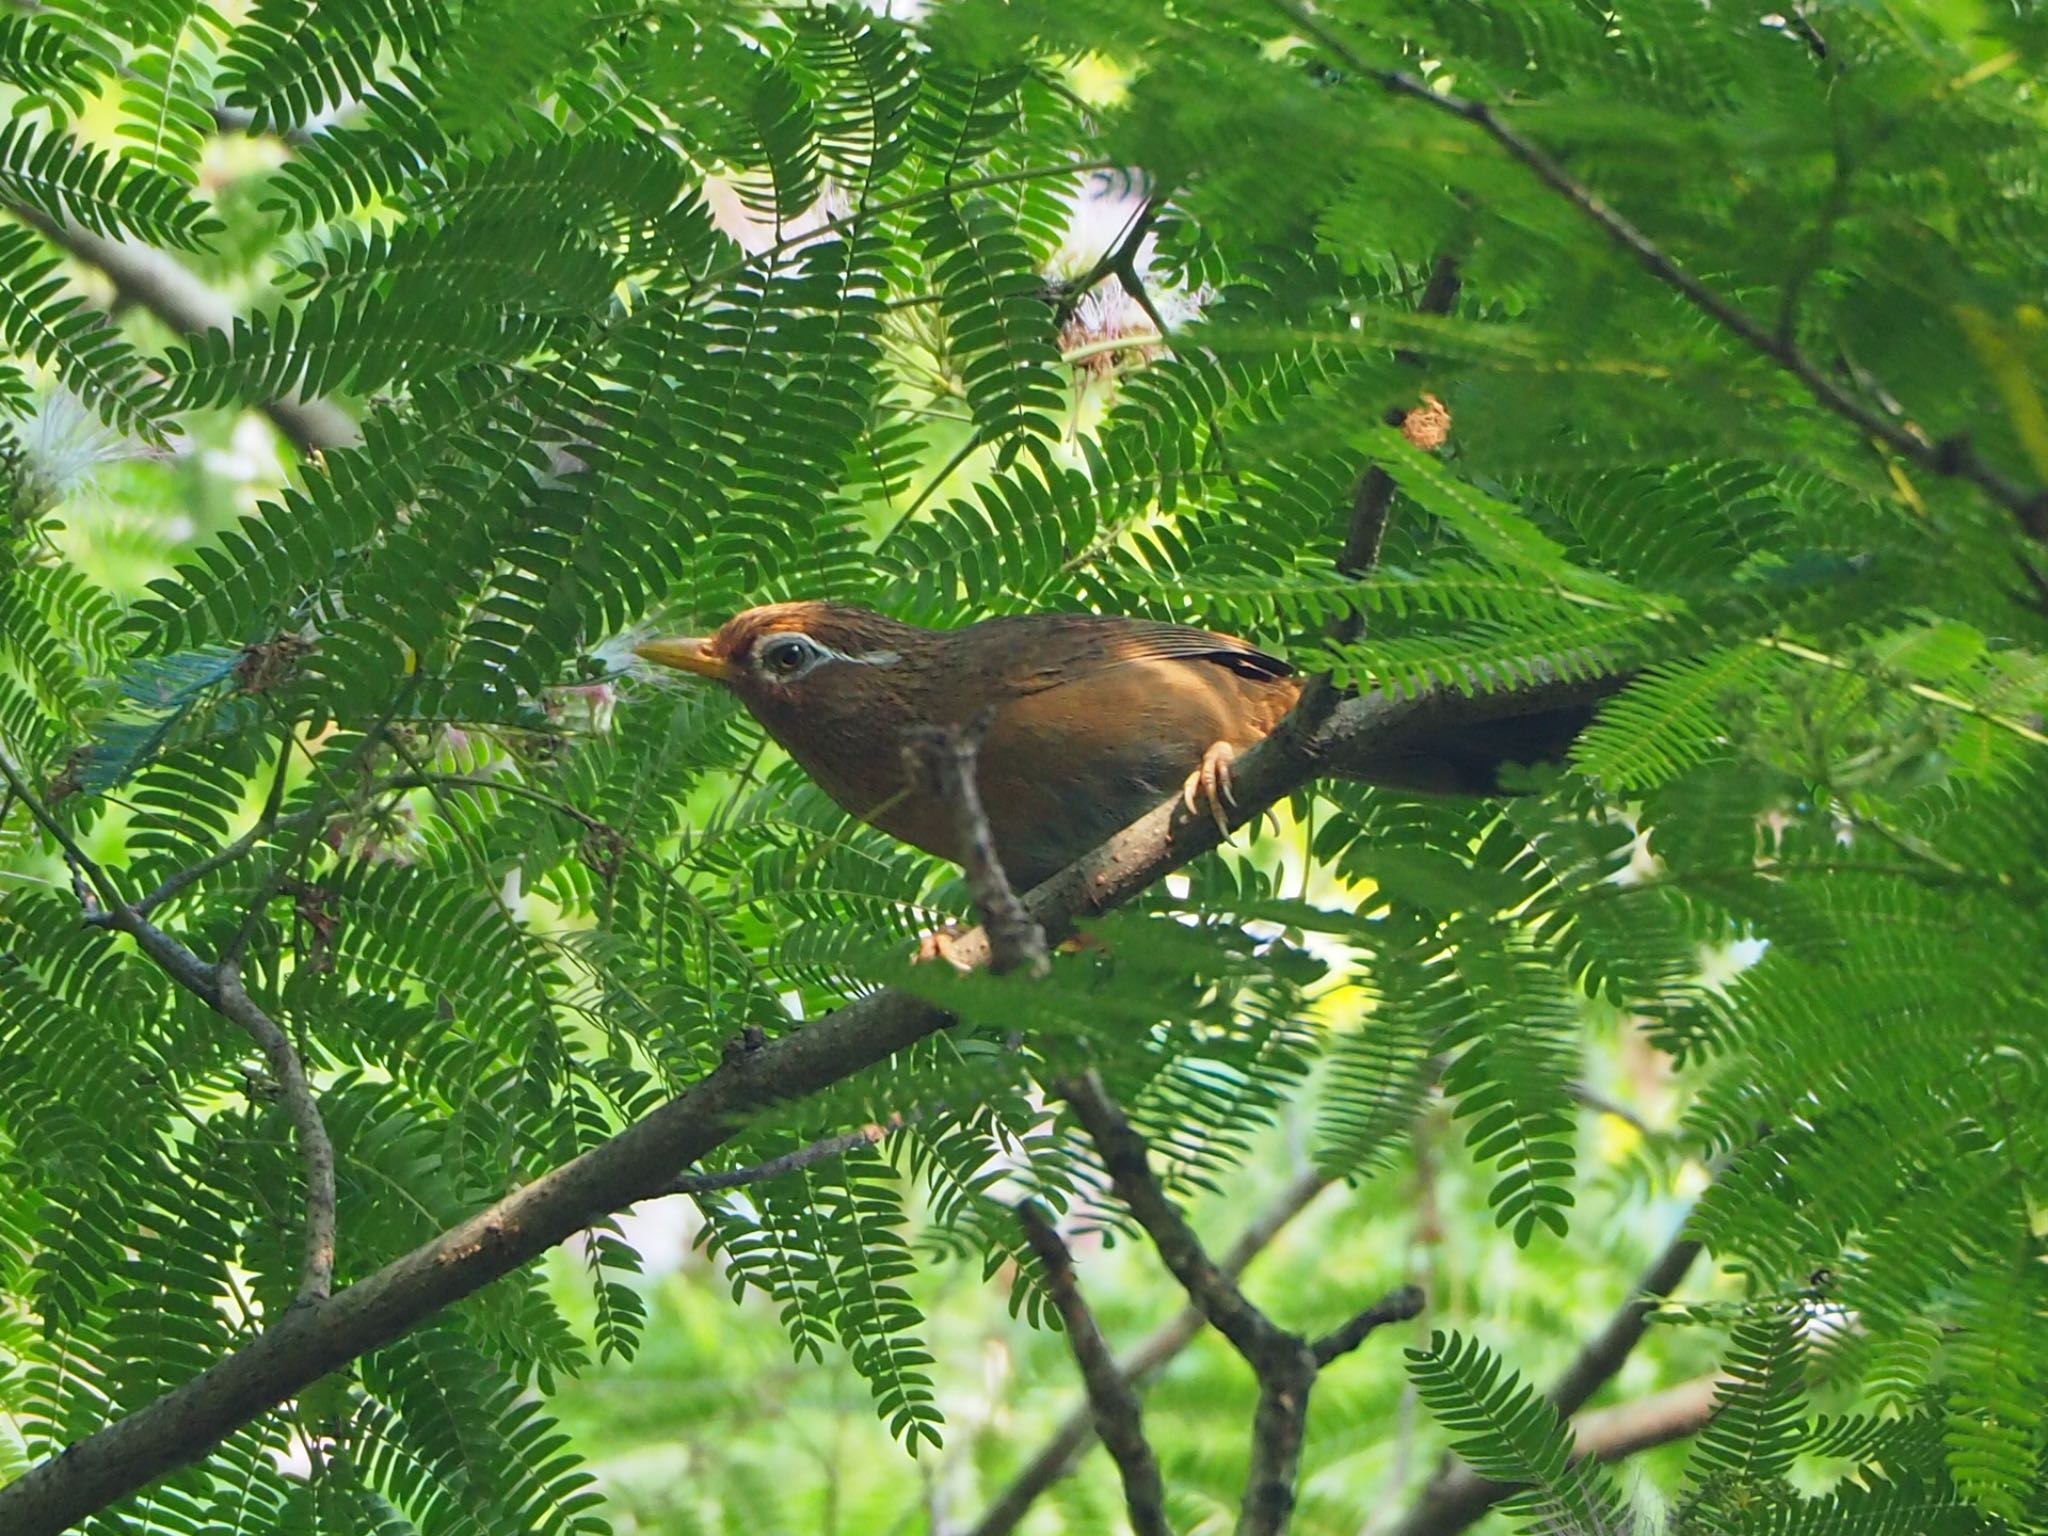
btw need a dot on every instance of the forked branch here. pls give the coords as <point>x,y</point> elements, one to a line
<point>1285,1364</point>
<point>1056,1458</point>
<point>219,985</point>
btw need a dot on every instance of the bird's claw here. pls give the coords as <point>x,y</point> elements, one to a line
<point>1209,787</point>
<point>941,945</point>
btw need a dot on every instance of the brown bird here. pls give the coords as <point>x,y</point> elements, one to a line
<point>1096,719</point>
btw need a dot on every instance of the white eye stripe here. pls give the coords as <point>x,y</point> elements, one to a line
<point>814,656</point>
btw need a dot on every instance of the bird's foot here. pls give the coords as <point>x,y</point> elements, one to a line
<point>1209,786</point>
<point>942,945</point>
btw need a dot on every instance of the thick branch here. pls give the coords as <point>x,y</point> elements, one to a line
<point>1111,1398</point>
<point>160,284</point>
<point>642,1160</point>
<point>1057,1457</point>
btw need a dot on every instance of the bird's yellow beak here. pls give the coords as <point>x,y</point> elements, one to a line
<point>685,656</point>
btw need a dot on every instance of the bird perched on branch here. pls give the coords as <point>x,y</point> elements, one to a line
<point>1094,719</point>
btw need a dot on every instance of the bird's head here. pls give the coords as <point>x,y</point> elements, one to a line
<point>786,659</point>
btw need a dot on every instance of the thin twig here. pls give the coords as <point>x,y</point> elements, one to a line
<point>316,1150</point>
<point>1129,343</point>
<point>789,1162</point>
<point>219,986</point>
<point>1366,528</point>
<point>1807,653</point>
<point>266,823</point>
<point>1807,33</point>
<point>1119,1420</point>
<point>184,879</point>
<point>953,188</point>
<point>1121,262</point>
<point>942,756</point>
<point>1119,256</point>
<point>1607,1104</point>
<point>1397,1306</point>
<point>83,866</point>
<point>960,456</point>
<point>309,823</point>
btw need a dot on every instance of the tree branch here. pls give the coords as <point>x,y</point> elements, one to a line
<point>1457,1496</point>
<point>1121,262</point>
<point>789,1162</point>
<point>84,868</point>
<point>1285,1364</point>
<point>942,756</point>
<point>1366,528</point>
<point>267,822</point>
<point>1952,458</point>
<point>1395,1307</point>
<point>1612,1433</point>
<point>1057,1457</point>
<point>159,283</point>
<point>1608,1350</point>
<point>641,1161</point>
<point>1217,1297</point>
<point>316,1150</point>
<point>219,986</point>
<point>1111,1397</point>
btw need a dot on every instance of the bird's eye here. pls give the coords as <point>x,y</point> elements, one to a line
<point>786,656</point>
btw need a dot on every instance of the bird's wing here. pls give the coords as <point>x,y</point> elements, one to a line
<point>1107,719</point>
<point>1144,639</point>
<point>1055,651</point>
